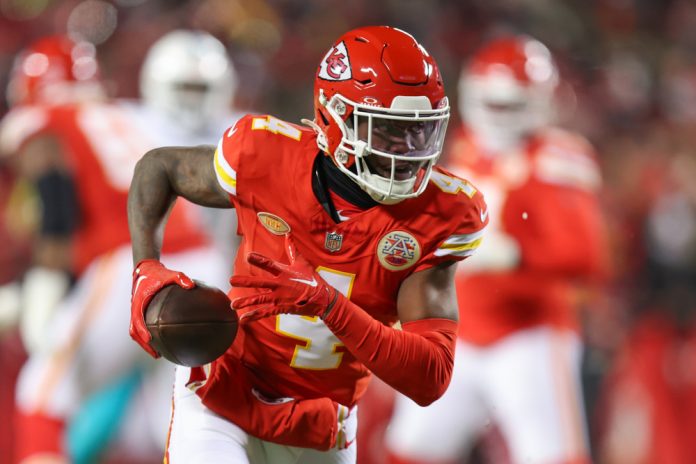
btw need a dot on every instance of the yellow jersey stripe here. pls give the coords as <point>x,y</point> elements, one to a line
<point>463,238</point>
<point>461,253</point>
<point>226,178</point>
<point>461,247</point>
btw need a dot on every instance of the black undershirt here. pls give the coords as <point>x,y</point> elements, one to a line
<point>326,176</point>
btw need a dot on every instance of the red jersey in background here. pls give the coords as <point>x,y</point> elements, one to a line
<point>543,197</point>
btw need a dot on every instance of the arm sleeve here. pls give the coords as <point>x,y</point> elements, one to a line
<point>417,361</point>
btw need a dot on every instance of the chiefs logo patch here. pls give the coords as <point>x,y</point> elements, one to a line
<point>274,224</point>
<point>336,65</point>
<point>398,250</point>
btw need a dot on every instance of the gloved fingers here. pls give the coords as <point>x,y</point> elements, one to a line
<point>142,336</point>
<point>253,282</point>
<point>265,263</point>
<point>293,254</point>
<point>184,281</point>
<point>290,248</point>
<point>253,300</point>
<point>259,313</point>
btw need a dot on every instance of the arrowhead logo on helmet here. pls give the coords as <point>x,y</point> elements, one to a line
<point>336,66</point>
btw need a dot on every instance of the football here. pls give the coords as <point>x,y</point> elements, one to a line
<point>191,327</point>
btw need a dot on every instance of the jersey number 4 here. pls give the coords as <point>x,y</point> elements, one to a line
<point>317,348</point>
<point>452,185</point>
<point>276,126</point>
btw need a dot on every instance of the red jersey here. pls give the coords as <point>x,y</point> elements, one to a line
<point>266,165</point>
<point>101,145</point>
<point>544,197</point>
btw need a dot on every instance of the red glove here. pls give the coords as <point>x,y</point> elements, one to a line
<point>291,289</point>
<point>149,277</point>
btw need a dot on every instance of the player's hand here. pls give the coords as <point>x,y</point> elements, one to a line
<point>293,288</point>
<point>149,277</point>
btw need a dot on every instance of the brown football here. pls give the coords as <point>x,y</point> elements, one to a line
<point>191,327</point>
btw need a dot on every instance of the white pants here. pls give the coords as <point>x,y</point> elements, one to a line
<point>527,383</point>
<point>199,436</point>
<point>89,347</point>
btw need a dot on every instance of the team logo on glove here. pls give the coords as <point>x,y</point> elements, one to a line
<point>398,250</point>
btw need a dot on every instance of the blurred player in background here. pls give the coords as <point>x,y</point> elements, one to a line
<point>16,226</point>
<point>347,227</point>
<point>649,394</point>
<point>79,149</point>
<point>518,354</point>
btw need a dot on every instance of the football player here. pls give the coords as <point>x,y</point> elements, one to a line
<point>518,351</point>
<point>347,227</point>
<point>80,152</point>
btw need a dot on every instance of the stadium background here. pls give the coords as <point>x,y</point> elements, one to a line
<point>629,85</point>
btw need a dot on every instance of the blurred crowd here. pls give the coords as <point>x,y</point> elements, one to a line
<point>628,83</point>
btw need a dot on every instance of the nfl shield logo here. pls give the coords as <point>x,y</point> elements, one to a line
<point>333,241</point>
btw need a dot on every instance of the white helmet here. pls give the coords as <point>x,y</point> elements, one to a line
<point>506,91</point>
<point>189,76</point>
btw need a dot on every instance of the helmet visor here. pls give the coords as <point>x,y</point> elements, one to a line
<point>399,148</point>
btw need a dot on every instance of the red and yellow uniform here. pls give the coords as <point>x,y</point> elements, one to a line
<point>101,150</point>
<point>266,166</point>
<point>545,198</point>
<point>100,145</point>
<point>517,302</point>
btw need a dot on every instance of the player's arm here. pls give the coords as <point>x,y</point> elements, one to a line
<point>416,361</point>
<point>160,177</point>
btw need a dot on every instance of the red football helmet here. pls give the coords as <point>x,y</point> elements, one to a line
<point>54,69</point>
<point>381,111</point>
<point>506,90</point>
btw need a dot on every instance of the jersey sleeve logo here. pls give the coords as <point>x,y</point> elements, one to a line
<point>398,250</point>
<point>336,65</point>
<point>274,224</point>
